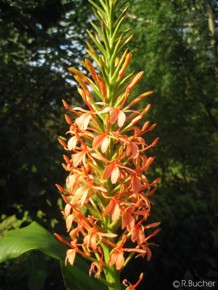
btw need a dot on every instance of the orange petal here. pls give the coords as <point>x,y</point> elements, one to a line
<point>70,181</point>
<point>136,184</point>
<point>83,121</point>
<point>69,221</point>
<point>135,80</point>
<point>132,149</point>
<point>102,86</point>
<point>115,174</point>
<point>126,63</point>
<point>91,69</point>
<point>114,115</point>
<point>108,170</point>
<point>104,144</point>
<point>97,141</point>
<point>109,208</point>
<point>113,258</point>
<point>140,98</point>
<point>153,225</point>
<point>77,158</point>
<point>120,261</point>
<point>70,257</point>
<point>116,212</point>
<point>121,118</point>
<point>71,144</point>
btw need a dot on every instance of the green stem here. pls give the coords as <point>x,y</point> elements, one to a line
<point>112,276</point>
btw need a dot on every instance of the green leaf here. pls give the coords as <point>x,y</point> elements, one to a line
<point>35,237</point>
<point>75,278</point>
<point>37,270</point>
<point>32,237</point>
<point>98,8</point>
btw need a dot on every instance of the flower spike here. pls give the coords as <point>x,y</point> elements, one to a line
<point>107,189</point>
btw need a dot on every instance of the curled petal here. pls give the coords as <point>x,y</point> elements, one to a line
<point>130,286</point>
<point>81,194</point>
<point>96,268</point>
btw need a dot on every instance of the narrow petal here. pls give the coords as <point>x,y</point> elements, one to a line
<point>83,121</point>
<point>115,174</point>
<point>70,257</point>
<point>77,158</point>
<point>70,181</point>
<point>109,208</point>
<point>104,144</point>
<point>69,221</point>
<point>135,80</point>
<point>120,261</point>
<point>136,184</point>
<point>71,144</point>
<point>116,212</point>
<point>121,118</point>
<point>114,115</point>
<point>97,141</point>
<point>126,63</point>
<point>108,170</point>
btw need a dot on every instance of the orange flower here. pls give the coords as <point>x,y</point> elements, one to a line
<point>93,238</point>
<point>113,171</point>
<point>130,286</point>
<point>117,258</point>
<point>101,140</point>
<point>117,115</point>
<point>113,209</point>
<point>70,256</point>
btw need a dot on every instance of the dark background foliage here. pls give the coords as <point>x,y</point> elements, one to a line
<point>175,44</point>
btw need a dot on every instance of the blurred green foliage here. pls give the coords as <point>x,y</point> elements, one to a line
<point>176,46</point>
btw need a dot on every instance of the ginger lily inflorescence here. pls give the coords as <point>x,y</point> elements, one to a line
<point>107,193</point>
